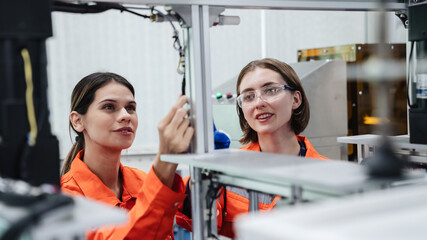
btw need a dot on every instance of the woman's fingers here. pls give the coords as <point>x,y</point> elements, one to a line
<point>178,118</point>
<point>174,130</point>
<point>171,114</point>
<point>188,134</point>
<point>177,131</point>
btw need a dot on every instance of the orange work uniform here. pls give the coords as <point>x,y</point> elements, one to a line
<point>237,199</point>
<point>150,203</point>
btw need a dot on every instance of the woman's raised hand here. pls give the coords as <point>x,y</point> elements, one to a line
<point>175,132</point>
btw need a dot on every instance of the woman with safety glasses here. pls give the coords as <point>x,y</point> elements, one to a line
<point>273,110</point>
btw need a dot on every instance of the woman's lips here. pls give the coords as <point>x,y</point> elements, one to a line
<point>263,117</point>
<point>124,130</point>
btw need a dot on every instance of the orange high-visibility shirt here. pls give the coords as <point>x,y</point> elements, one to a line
<point>151,204</point>
<point>310,153</point>
<point>237,199</point>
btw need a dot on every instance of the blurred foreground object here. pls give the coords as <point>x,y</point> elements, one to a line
<point>28,212</point>
<point>391,214</point>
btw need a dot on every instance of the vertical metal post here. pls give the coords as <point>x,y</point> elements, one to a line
<point>197,204</point>
<point>253,201</point>
<point>200,80</point>
<point>360,152</point>
<point>200,86</point>
<point>296,194</point>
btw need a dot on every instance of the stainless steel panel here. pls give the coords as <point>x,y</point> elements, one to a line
<point>325,84</point>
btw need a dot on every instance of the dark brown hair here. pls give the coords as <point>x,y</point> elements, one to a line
<point>300,116</point>
<point>81,98</point>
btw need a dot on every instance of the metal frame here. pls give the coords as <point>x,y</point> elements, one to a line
<point>336,5</point>
<point>199,72</point>
<point>298,179</point>
<point>367,143</point>
<point>200,79</point>
<point>201,111</point>
<point>201,95</point>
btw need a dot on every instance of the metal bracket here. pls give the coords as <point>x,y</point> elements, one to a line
<point>184,13</point>
<point>403,16</point>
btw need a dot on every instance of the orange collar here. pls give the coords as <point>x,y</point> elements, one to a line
<point>92,187</point>
<point>311,152</point>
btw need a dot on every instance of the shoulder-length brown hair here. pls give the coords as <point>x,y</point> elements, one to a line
<point>300,116</point>
<point>81,98</point>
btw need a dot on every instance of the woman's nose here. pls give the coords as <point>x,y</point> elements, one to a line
<point>124,115</point>
<point>259,100</point>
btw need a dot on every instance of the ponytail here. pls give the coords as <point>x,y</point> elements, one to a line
<point>75,149</point>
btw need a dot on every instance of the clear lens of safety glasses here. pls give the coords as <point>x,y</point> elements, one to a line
<point>267,93</point>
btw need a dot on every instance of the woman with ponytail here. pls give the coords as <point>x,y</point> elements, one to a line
<point>103,115</point>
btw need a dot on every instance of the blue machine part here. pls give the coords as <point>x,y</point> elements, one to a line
<point>221,139</point>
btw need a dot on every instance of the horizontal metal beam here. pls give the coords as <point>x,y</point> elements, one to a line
<point>331,5</point>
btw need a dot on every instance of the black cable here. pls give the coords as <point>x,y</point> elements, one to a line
<point>102,7</point>
<point>98,7</point>
<point>36,212</point>
<point>123,9</point>
<point>408,79</point>
<point>215,190</point>
<point>75,8</point>
<point>176,44</point>
<point>167,17</point>
<point>183,85</point>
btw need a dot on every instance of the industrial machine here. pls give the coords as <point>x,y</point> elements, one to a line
<point>417,72</point>
<point>28,150</point>
<point>361,91</point>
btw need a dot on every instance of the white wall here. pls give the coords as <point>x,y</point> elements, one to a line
<point>135,48</point>
<point>284,32</point>
<point>142,52</point>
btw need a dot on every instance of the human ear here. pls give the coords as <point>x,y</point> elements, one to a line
<point>76,121</point>
<point>297,100</point>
